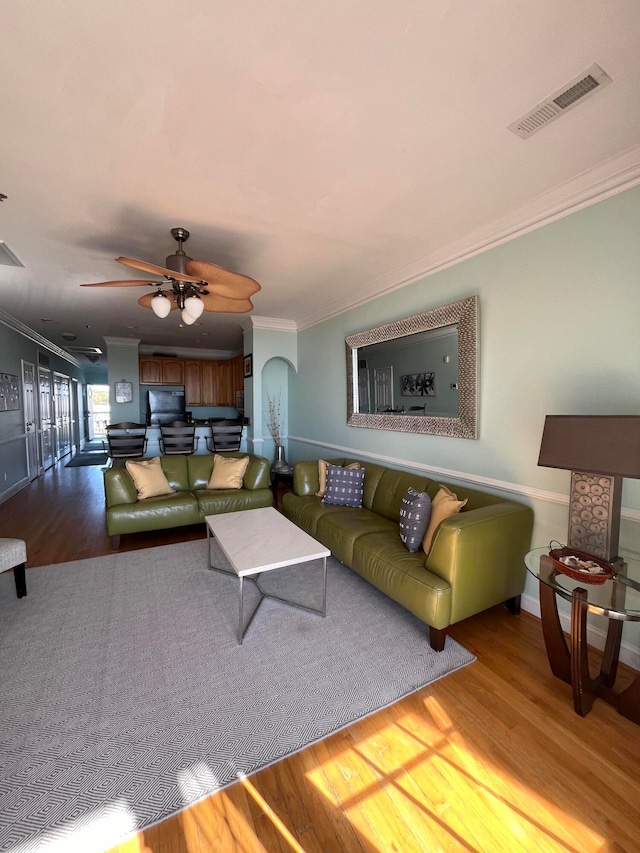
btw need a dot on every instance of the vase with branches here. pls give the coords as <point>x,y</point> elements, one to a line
<point>274,422</point>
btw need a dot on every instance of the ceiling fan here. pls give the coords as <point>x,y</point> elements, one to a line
<point>194,286</point>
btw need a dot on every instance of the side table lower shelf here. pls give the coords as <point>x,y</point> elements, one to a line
<point>281,483</point>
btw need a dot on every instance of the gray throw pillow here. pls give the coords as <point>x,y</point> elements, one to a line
<point>344,486</point>
<point>415,512</point>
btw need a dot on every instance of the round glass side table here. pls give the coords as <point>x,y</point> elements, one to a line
<point>618,599</point>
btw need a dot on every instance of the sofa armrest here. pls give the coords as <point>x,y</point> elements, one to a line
<point>480,553</point>
<point>305,477</point>
<point>258,474</point>
<point>119,487</point>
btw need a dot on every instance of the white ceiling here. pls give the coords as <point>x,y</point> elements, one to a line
<point>330,150</point>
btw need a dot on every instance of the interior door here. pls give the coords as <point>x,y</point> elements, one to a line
<point>383,384</point>
<point>75,414</point>
<point>62,409</point>
<point>46,428</point>
<point>30,418</point>
<point>91,432</point>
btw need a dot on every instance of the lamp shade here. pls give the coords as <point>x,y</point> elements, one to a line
<point>161,305</point>
<point>187,319</point>
<point>194,306</point>
<point>597,444</point>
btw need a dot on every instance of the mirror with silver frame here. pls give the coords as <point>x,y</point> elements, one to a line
<point>418,374</point>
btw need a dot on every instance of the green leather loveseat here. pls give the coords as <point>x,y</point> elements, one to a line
<point>476,559</point>
<point>190,503</point>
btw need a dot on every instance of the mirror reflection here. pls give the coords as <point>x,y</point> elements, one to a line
<point>417,374</point>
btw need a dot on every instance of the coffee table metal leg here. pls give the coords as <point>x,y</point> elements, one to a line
<point>241,619</point>
<point>324,591</point>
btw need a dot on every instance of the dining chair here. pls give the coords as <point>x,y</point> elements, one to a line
<point>178,438</point>
<point>126,440</point>
<point>225,435</point>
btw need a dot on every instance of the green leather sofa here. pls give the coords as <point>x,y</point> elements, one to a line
<point>190,503</point>
<point>476,558</point>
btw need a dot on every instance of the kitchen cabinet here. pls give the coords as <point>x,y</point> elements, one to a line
<point>172,371</point>
<point>150,371</point>
<point>193,383</point>
<point>161,371</point>
<point>209,383</point>
<point>206,383</point>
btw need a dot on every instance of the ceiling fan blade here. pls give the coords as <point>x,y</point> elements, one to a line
<point>133,283</point>
<point>222,305</point>
<point>231,285</point>
<point>145,301</point>
<point>155,270</point>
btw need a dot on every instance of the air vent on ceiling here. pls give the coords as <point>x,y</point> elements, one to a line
<point>560,102</point>
<point>7,257</point>
<point>85,350</point>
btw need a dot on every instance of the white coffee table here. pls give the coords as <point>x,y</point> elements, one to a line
<point>260,540</point>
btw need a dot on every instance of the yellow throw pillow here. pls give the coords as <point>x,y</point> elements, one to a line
<point>228,472</point>
<point>444,505</point>
<point>148,478</point>
<point>322,475</point>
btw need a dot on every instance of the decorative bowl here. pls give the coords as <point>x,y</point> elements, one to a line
<point>579,574</point>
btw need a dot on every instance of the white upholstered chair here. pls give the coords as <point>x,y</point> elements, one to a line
<point>13,555</point>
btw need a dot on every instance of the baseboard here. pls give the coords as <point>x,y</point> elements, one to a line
<point>596,637</point>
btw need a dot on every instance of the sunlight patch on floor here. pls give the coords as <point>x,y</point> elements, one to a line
<point>443,792</point>
<point>111,821</point>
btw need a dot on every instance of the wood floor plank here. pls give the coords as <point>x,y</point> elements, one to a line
<point>490,758</point>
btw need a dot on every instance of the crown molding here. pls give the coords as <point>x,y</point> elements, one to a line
<point>36,338</point>
<point>122,342</point>
<point>274,323</point>
<point>614,176</point>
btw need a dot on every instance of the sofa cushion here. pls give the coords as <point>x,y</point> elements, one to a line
<point>306,511</point>
<point>444,505</point>
<point>200,467</point>
<point>344,486</point>
<point>227,473</point>
<point>384,561</point>
<point>392,488</point>
<point>339,531</point>
<point>175,510</point>
<point>231,500</point>
<point>148,478</point>
<point>415,512</point>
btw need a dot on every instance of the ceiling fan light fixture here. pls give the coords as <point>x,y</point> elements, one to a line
<point>188,319</point>
<point>194,306</point>
<point>161,304</point>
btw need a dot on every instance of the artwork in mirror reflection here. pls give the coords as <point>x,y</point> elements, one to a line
<point>417,374</point>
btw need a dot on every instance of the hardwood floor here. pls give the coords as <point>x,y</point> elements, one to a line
<point>491,758</point>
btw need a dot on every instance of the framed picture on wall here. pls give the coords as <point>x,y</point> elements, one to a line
<point>248,366</point>
<point>124,392</point>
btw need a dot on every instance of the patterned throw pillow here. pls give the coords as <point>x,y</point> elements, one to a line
<point>322,475</point>
<point>415,512</point>
<point>344,486</point>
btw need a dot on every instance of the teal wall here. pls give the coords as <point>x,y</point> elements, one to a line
<point>558,333</point>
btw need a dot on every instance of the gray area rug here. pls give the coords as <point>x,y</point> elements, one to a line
<point>125,696</point>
